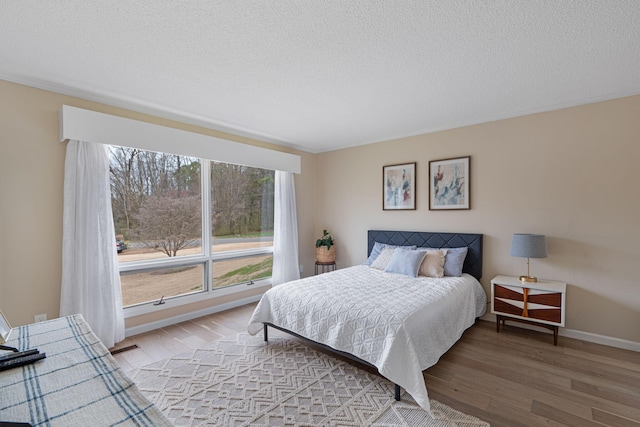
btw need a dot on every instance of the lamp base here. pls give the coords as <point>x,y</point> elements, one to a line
<point>529,279</point>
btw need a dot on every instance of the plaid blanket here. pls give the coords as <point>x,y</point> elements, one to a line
<point>79,383</point>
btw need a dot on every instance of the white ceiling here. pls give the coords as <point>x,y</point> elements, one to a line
<point>320,75</point>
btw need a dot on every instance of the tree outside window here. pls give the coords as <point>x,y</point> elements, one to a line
<point>157,206</point>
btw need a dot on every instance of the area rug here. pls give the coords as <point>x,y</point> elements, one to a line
<point>243,381</point>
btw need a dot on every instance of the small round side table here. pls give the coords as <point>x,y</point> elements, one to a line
<point>324,267</point>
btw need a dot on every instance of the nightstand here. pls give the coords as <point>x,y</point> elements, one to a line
<point>540,303</point>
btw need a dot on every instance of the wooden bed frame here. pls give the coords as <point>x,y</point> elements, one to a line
<point>472,265</point>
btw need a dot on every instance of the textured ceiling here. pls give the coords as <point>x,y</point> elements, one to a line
<point>320,75</point>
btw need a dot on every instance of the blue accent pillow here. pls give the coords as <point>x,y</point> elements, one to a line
<point>377,248</point>
<point>454,260</point>
<point>405,261</point>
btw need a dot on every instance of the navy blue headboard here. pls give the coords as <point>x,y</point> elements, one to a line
<point>472,263</point>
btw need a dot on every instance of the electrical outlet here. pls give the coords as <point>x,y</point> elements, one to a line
<point>40,317</point>
<point>301,268</point>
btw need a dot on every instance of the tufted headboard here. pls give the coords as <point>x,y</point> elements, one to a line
<point>425,239</point>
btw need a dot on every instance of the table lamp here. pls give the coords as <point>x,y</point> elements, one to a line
<point>528,246</point>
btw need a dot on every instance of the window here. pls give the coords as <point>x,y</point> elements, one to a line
<point>189,226</point>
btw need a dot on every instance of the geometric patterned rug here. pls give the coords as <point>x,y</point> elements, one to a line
<point>243,381</point>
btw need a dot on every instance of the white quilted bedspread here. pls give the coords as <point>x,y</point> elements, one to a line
<point>401,325</point>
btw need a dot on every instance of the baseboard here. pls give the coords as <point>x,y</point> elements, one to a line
<point>580,335</point>
<point>600,339</point>
<point>563,332</point>
<point>135,330</point>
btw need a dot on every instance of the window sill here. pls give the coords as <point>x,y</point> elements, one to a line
<point>153,306</point>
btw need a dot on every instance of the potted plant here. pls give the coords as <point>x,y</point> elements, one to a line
<point>325,248</point>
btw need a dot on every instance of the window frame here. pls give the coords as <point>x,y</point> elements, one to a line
<point>206,259</point>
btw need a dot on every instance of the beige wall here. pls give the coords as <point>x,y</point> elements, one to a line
<point>31,177</point>
<point>570,174</point>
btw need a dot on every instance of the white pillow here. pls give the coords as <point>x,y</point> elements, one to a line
<point>433,263</point>
<point>380,263</point>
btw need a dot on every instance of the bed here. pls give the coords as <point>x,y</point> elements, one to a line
<point>79,383</point>
<point>398,324</point>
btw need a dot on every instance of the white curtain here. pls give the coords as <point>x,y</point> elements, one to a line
<point>285,235</point>
<point>90,276</point>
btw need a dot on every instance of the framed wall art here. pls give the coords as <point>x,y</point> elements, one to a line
<point>449,181</point>
<point>399,186</point>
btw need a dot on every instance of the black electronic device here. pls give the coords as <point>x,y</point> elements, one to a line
<point>18,354</point>
<point>13,424</point>
<point>12,361</point>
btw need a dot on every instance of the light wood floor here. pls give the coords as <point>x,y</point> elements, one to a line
<point>514,378</point>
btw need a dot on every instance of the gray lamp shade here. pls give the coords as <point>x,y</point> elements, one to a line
<point>529,245</point>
